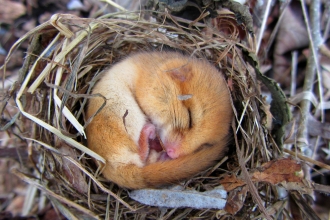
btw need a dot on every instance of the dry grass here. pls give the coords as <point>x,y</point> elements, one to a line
<point>64,60</point>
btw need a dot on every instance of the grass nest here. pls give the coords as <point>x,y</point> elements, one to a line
<point>65,56</point>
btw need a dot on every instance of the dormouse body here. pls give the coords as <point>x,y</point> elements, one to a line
<point>166,118</point>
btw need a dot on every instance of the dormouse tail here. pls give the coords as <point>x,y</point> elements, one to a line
<point>166,172</point>
<point>128,175</point>
<point>173,171</point>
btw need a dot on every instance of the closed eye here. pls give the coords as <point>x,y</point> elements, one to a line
<point>190,119</point>
<point>207,145</point>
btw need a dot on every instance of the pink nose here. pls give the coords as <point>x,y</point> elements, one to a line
<point>173,149</point>
<point>172,153</point>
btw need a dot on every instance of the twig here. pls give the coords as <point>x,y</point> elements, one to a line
<point>315,162</point>
<point>247,178</point>
<point>294,65</point>
<point>322,188</point>
<point>276,28</point>
<point>325,50</point>
<point>304,207</point>
<point>263,25</point>
<point>99,184</point>
<point>41,187</point>
<point>327,25</point>
<point>114,4</point>
<point>315,40</point>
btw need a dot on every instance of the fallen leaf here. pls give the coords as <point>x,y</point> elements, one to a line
<point>298,186</point>
<point>231,182</point>
<point>292,35</point>
<point>274,172</point>
<point>272,210</point>
<point>16,205</point>
<point>10,10</point>
<point>283,171</point>
<point>236,200</point>
<point>268,119</point>
<point>317,128</point>
<point>73,174</point>
<point>278,171</point>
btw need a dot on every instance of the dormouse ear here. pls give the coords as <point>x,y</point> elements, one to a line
<point>181,74</point>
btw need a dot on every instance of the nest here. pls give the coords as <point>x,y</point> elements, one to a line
<point>64,59</point>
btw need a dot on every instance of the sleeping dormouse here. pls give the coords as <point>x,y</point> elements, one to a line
<point>166,119</point>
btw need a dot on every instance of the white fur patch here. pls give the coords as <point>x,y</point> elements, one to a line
<point>184,97</point>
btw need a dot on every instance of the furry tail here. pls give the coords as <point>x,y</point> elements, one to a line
<point>128,176</point>
<point>173,171</point>
<point>166,172</point>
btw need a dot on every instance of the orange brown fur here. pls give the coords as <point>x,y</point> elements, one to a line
<point>187,101</point>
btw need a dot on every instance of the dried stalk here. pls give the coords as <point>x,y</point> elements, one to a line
<point>312,65</point>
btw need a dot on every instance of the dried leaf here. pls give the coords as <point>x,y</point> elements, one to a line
<point>317,128</point>
<point>231,182</point>
<point>236,200</point>
<point>304,96</point>
<point>274,209</point>
<point>268,119</point>
<point>10,10</point>
<point>298,186</point>
<point>304,208</point>
<point>292,35</point>
<point>282,171</point>
<point>278,171</point>
<point>16,205</point>
<point>72,172</point>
